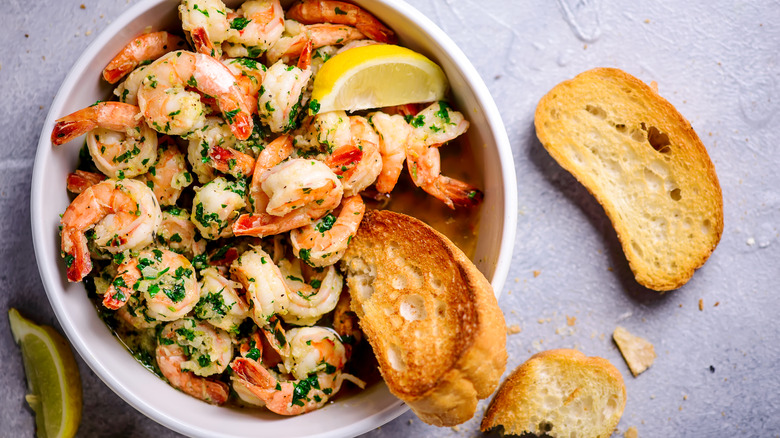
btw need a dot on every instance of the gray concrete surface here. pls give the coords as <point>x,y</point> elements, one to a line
<point>717,61</point>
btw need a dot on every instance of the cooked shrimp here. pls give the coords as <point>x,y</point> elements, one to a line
<point>298,192</point>
<point>220,303</point>
<point>276,152</point>
<point>207,23</point>
<point>359,162</point>
<point>309,301</point>
<point>123,215</point>
<point>319,35</point>
<point>81,180</point>
<point>168,176</point>
<point>171,109</point>
<point>257,26</point>
<point>165,279</point>
<point>393,133</point>
<point>120,144</point>
<point>216,205</point>
<point>178,233</point>
<point>324,242</point>
<point>146,47</point>
<point>425,167</point>
<point>264,284</point>
<point>188,351</point>
<point>316,362</point>
<point>328,11</point>
<point>249,76</point>
<point>437,123</point>
<point>281,95</point>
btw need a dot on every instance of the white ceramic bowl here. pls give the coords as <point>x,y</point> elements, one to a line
<point>348,416</point>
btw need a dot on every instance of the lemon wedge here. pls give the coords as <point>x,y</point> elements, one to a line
<point>53,379</point>
<point>376,76</point>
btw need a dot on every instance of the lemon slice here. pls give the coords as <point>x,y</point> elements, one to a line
<point>376,76</point>
<point>53,379</point>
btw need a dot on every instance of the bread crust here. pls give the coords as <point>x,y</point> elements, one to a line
<point>612,131</point>
<point>430,316</point>
<point>513,406</point>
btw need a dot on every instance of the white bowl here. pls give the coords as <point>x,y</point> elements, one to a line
<point>348,416</point>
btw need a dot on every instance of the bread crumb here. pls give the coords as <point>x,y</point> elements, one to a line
<point>647,21</point>
<point>83,6</point>
<point>609,268</point>
<point>410,421</point>
<point>701,304</point>
<point>685,397</point>
<point>681,306</point>
<point>456,428</point>
<point>88,33</point>
<point>654,86</point>
<point>631,433</point>
<point>638,353</point>
<point>537,273</point>
<point>751,241</point>
<point>540,321</point>
<point>571,320</point>
<point>517,280</point>
<point>680,408</point>
<point>717,303</point>
<point>513,329</point>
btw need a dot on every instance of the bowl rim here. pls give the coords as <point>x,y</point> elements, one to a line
<point>482,94</point>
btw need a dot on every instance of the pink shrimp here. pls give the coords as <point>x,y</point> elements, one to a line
<point>170,109</point>
<point>323,243</point>
<point>124,214</point>
<point>276,152</point>
<point>199,348</point>
<point>425,167</point>
<point>316,361</point>
<point>256,25</point>
<point>319,35</point>
<point>393,133</point>
<point>146,47</point>
<point>115,116</point>
<point>338,12</point>
<point>299,191</point>
<point>359,162</point>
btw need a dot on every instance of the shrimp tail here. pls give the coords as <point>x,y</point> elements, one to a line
<point>81,180</point>
<point>146,47</point>
<point>77,258</point>
<point>231,161</point>
<point>342,157</point>
<point>453,192</point>
<point>202,43</point>
<point>304,61</point>
<point>251,372</point>
<point>66,130</point>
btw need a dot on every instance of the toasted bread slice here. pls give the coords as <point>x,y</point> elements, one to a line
<point>645,165</point>
<point>429,315</point>
<point>561,393</point>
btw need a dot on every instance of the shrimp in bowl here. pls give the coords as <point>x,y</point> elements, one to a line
<point>238,199</point>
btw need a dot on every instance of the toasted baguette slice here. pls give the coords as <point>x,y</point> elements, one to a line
<point>644,164</point>
<point>561,393</point>
<point>429,315</point>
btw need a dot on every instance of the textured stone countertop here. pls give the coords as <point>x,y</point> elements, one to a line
<point>716,61</point>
